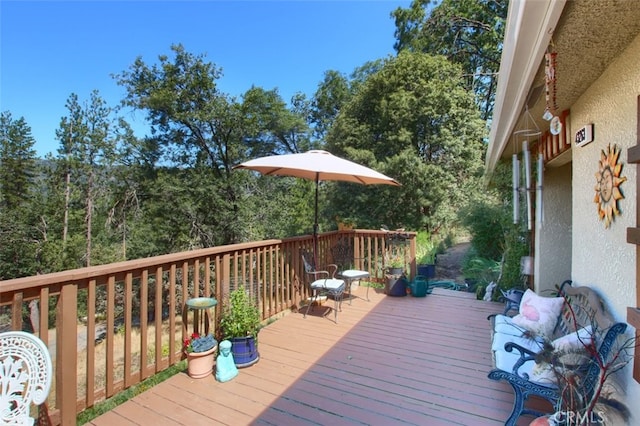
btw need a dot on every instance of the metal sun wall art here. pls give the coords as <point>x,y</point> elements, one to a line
<point>608,182</point>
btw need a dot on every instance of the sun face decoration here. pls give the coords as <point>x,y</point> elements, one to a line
<point>607,187</point>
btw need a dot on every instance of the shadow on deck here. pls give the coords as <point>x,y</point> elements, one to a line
<point>410,361</point>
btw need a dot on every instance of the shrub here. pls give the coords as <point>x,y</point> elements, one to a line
<point>240,316</point>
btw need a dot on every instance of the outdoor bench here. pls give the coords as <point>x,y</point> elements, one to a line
<point>576,324</point>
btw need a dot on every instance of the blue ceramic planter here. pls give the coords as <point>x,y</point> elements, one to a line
<point>428,270</point>
<point>245,351</point>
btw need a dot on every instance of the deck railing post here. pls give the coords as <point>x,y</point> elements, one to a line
<point>226,275</point>
<point>16,311</point>
<point>412,256</point>
<point>67,354</point>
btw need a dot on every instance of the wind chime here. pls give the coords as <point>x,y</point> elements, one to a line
<point>529,131</point>
<point>551,108</point>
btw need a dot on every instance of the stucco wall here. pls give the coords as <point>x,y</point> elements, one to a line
<point>602,257</point>
<point>553,245</point>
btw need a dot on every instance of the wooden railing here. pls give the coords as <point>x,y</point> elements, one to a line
<point>111,326</point>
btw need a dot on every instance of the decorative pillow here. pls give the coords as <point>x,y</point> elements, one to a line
<point>539,314</point>
<point>572,353</point>
<point>574,341</point>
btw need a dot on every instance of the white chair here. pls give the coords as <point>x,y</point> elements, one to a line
<point>25,376</point>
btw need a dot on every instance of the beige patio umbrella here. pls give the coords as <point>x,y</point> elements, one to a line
<point>317,165</point>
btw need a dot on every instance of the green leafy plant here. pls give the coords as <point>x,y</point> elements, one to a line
<point>493,235</point>
<point>481,271</point>
<point>425,249</point>
<point>240,316</point>
<point>394,259</point>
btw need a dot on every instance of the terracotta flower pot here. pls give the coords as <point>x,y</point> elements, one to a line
<point>200,364</point>
<point>541,421</point>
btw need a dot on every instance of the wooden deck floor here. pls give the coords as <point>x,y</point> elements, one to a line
<point>388,361</point>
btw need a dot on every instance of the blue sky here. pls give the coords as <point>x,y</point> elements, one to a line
<point>50,49</point>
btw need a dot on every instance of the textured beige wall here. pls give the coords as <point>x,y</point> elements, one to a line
<point>602,257</point>
<point>553,245</point>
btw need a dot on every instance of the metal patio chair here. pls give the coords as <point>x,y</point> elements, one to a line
<point>323,283</point>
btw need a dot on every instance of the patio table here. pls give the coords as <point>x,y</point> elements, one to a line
<point>350,275</point>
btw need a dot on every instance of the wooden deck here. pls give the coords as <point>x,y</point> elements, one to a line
<point>388,361</point>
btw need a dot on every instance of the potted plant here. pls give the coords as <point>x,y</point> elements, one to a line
<point>425,256</point>
<point>199,351</point>
<point>394,262</point>
<point>239,323</point>
<point>426,264</point>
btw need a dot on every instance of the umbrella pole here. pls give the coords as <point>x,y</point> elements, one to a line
<point>315,226</point>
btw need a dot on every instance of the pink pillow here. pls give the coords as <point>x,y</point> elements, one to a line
<point>539,314</point>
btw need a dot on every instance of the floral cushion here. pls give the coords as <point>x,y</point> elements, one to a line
<point>539,314</point>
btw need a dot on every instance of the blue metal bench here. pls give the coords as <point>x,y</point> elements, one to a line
<point>512,298</point>
<point>582,307</point>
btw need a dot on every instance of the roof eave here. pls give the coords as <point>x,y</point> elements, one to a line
<point>529,27</point>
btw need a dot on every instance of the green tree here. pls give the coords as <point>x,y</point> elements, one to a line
<point>136,171</point>
<point>467,32</point>
<point>199,129</point>
<point>270,126</point>
<point>50,204</point>
<point>204,133</point>
<point>332,93</point>
<point>18,171</point>
<point>18,161</point>
<point>416,116</point>
<point>88,141</point>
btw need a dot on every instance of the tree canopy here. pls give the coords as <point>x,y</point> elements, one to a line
<point>108,195</point>
<point>414,117</point>
<point>466,32</point>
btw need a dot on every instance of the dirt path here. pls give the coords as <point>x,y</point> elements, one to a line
<point>449,264</point>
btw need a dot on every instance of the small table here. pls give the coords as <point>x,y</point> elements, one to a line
<point>353,275</point>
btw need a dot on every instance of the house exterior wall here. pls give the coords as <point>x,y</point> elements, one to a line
<point>553,244</point>
<point>601,257</point>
